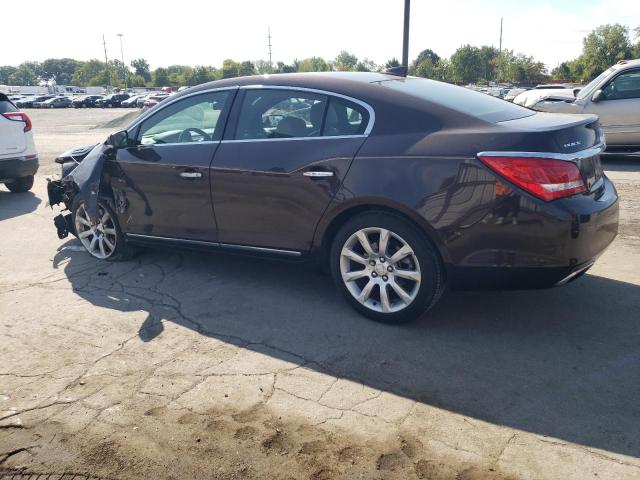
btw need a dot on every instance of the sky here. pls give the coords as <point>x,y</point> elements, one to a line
<point>205,32</point>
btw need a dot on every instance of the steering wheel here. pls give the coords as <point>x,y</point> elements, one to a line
<point>184,138</point>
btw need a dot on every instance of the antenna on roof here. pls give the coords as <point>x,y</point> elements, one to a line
<point>403,70</point>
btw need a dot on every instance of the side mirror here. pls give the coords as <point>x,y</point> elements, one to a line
<point>119,139</point>
<point>598,96</point>
<point>576,91</point>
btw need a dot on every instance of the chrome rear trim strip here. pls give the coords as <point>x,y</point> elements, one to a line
<point>570,157</point>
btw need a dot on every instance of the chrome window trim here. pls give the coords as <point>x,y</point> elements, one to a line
<point>570,157</point>
<point>366,106</point>
<point>246,140</point>
<point>205,243</point>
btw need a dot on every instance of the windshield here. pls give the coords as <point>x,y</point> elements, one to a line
<point>591,86</point>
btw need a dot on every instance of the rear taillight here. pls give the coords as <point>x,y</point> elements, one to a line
<point>19,117</point>
<point>546,178</point>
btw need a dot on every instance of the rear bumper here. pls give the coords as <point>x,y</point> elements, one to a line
<point>12,168</point>
<point>544,245</point>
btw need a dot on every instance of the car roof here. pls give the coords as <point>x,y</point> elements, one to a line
<point>623,64</point>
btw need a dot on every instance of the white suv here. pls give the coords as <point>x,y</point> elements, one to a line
<point>18,156</point>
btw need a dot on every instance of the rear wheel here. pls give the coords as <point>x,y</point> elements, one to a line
<point>22,184</point>
<point>104,240</point>
<point>386,268</point>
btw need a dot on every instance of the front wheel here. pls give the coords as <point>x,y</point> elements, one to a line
<point>19,185</point>
<point>104,240</point>
<point>386,268</point>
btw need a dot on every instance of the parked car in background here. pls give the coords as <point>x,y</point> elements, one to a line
<point>401,186</point>
<point>131,102</point>
<point>154,99</point>
<point>30,101</point>
<point>57,102</point>
<point>112,101</point>
<point>18,156</point>
<point>531,97</point>
<point>85,101</point>
<point>513,93</point>
<point>615,97</point>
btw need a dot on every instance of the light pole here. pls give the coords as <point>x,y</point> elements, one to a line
<point>123,64</point>
<point>405,37</point>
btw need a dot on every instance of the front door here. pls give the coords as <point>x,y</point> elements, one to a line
<point>161,184</point>
<point>619,112</point>
<point>278,169</point>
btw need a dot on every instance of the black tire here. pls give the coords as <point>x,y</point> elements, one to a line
<point>19,185</point>
<point>122,251</point>
<point>432,283</point>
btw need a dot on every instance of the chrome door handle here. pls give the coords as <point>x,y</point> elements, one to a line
<point>318,173</point>
<point>190,174</point>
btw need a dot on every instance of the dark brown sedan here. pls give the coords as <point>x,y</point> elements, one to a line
<point>401,186</point>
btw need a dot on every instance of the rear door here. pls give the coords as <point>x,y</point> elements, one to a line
<point>276,171</point>
<point>163,181</point>
<point>619,112</point>
<point>12,137</point>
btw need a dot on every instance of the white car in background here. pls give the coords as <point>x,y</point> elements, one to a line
<point>615,97</point>
<point>529,98</point>
<point>18,156</point>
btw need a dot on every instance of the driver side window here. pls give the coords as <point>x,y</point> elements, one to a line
<point>624,86</point>
<point>193,119</point>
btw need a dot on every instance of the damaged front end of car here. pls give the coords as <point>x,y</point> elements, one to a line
<point>82,170</point>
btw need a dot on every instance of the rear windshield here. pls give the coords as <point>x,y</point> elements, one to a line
<point>461,99</point>
<point>6,105</point>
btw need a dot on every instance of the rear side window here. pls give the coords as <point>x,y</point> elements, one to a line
<point>6,105</point>
<point>459,99</point>
<point>345,118</point>
<point>280,113</point>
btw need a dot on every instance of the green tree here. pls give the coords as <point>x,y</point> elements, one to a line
<point>313,64</point>
<point>60,70</point>
<point>603,47</point>
<point>160,77</point>
<point>367,65</point>
<point>466,65</point>
<point>6,72</point>
<point>141,67</point>
<point>282,67</point>
<point>87,71</point>
<point>345,61</point>
<point>489,59</point>
<point>27,73</point>
<point>392,63</point>
<point>424,62</point>
<point>137,81</point>
<point>263,67</point>
<point>230,68</point>
<point>246,69</point>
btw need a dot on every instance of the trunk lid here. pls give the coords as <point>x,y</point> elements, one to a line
<point>575,138</point>
<point>12,137</point>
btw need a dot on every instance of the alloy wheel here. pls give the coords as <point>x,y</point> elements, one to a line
<point>99,240</point>
<point>380,270</point>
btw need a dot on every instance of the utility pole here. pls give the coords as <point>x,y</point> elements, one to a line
<point>123,64</point>
<point>269,45</point>
<point>405,38</point>
<point>500,52</point>
<point>106,60</point>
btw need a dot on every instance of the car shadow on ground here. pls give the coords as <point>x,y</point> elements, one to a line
<point>16,204</point>
<point>617,162</point>
<point>562,362</point>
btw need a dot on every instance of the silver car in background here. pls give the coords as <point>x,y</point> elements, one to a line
<point>614,96</point>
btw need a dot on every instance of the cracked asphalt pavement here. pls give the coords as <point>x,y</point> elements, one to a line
<point>186,365</point>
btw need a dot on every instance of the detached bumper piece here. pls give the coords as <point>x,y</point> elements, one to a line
<point>63,225</point>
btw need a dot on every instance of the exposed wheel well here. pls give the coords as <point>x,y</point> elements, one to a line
<point>345,216</point>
